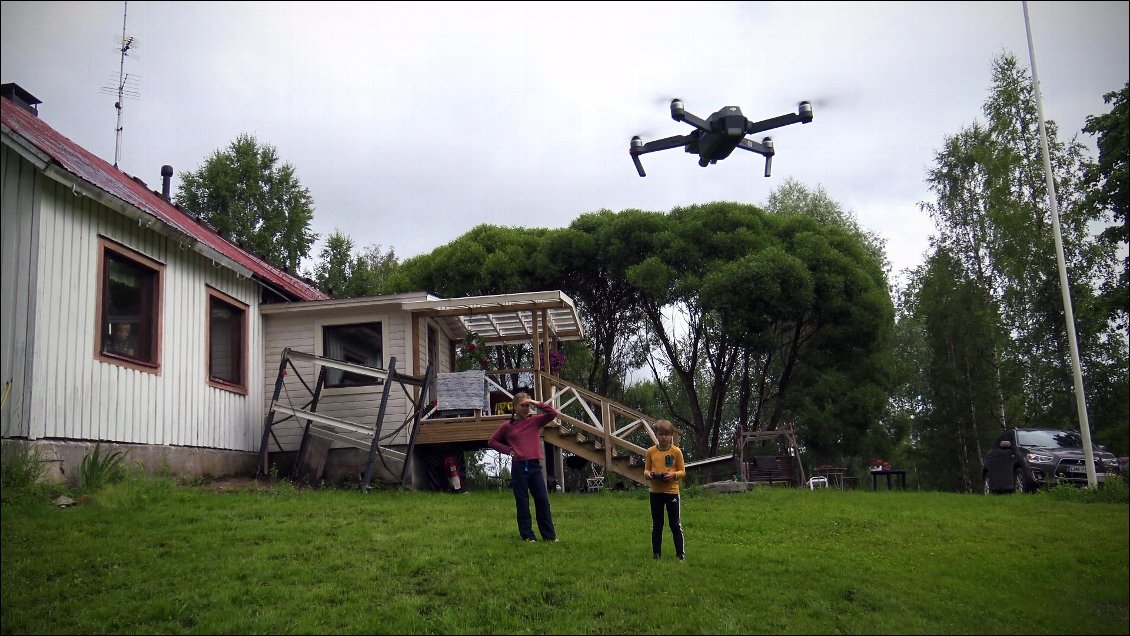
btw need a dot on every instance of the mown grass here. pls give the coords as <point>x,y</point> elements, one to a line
<point>150,556</point>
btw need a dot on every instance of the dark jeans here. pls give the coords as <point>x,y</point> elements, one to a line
<point>526,479</point>
<point>659,501</point>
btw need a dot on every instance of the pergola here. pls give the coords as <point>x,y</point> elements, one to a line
<point>534,317</point>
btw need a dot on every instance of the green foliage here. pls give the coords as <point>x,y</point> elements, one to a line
<point>1113,491</point>
<point>97,470</point>
<point>21,467</point>
<point>248,198</point>
<point>1109,179</point>
<point>341,273</point>
<point>985,314</point>
<point>472,353</point>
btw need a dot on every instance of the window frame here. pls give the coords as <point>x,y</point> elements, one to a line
<point>215,295</point>
<point>106,248</point>
<point>320,348</point>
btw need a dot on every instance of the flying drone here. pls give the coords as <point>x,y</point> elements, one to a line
<point>717,136</point>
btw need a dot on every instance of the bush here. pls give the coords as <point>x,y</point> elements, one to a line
<point>21,467</point>
<point>97,470</point>
<point>1114,490</point>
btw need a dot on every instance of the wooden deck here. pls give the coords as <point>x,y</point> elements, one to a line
<point>459,429</point>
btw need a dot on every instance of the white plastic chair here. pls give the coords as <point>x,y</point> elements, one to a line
<point>817,482</point>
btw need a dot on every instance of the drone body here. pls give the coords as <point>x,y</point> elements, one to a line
<point>717,136</point>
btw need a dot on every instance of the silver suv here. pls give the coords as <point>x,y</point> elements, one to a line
<point>1025,459</point>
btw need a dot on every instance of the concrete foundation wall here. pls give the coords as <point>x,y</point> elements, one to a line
<point>62,459</point>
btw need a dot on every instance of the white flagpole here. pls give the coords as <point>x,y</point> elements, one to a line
<point>1080,396</point>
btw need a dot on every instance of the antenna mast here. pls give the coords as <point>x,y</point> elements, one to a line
<point>126,44</point>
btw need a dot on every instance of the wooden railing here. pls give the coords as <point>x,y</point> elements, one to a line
<point>589,424</point>
<point>591,418</point>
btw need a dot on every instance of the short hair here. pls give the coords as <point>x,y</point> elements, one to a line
<point>664,426</point>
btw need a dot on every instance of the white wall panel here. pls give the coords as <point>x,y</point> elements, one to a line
<point>78,396</point>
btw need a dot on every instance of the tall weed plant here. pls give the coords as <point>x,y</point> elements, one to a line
<point>97,470</point>
<point>21,467</point>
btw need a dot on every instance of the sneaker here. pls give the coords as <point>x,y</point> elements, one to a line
<point>553,540</point>
<point>656,556</point>
<point>531,540</point>
<point>682,557</point>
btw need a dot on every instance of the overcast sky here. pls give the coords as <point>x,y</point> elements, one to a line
<point>411,123</point>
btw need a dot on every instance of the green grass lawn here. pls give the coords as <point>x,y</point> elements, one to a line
<point>149,556</point>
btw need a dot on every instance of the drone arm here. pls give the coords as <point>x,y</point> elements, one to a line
<point>639,148</point>
<point>753,127</point>
<point>663,144</point>
<point>765,149</point>
<point>694,121</point>
<point>678,113</point>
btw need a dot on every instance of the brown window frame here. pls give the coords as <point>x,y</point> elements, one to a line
<point>215,295</point>
<point>365,383</point>
<point>109,249</point>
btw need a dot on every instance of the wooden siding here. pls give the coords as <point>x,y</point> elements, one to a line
<point>301,331</point>
<point>74,396</point>
<point>18,250</point>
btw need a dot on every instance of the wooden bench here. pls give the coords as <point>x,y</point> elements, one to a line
<point>769,470</point>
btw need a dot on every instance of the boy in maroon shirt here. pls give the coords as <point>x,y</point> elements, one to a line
<point>520,438</point>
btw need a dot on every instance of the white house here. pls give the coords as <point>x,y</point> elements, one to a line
<point>128,322</point>
<point>125,320</point>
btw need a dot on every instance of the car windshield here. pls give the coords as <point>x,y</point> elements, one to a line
<point>1050,439</point>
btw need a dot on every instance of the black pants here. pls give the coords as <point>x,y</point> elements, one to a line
<point>526,480</point>
<point>659,501</point>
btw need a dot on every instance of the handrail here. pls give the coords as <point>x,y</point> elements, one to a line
<point>563,394</point>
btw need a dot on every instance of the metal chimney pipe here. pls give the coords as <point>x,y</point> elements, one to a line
<point>166,181</point>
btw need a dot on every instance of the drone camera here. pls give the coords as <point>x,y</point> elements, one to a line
<point>677,111</point>
<point>805,112</point>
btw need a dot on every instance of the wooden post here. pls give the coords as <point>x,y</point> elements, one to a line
<point>536,358</point>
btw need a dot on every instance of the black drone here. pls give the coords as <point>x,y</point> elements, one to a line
<point>717,136</point>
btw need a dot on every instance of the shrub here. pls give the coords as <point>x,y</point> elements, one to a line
<point>21,467</point>
<point>1114,490</point>
<point>97,470</point>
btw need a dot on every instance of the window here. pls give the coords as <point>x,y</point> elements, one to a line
<point>357,344</point>
<point>227,324</point>
<point>129,308</point>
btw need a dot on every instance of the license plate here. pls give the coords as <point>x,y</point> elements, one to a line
<point>1076,469</point>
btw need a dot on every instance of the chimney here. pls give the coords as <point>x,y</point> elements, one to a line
<point>20,97</point>
<point>166,179</point>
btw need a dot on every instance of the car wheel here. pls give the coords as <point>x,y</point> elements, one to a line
<point>1018,481</point>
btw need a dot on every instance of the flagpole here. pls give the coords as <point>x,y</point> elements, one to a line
<point>1080,396</point>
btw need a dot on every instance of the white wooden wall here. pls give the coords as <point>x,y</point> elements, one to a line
<point>300,330</point>
<point>18,242</point>
<point>71,394</point>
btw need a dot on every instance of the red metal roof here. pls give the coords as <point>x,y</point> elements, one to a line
<point>100,174</point>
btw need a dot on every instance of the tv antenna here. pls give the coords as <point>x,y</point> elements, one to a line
<point>126,84</point>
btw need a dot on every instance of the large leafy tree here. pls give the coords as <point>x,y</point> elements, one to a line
<point>992,216</point>
<point>988,303</point>
<point>341,272</point>
<point>249,198</point>
<point>595,252</point>
<point>1110,182</point>
<point>798,307</point>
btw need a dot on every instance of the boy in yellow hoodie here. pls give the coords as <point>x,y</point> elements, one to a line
<point>663,466</point>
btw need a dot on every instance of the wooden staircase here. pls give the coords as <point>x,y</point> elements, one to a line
<point>594,427</point>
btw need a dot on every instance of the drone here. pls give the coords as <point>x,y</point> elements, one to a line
<point>717,136</point>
